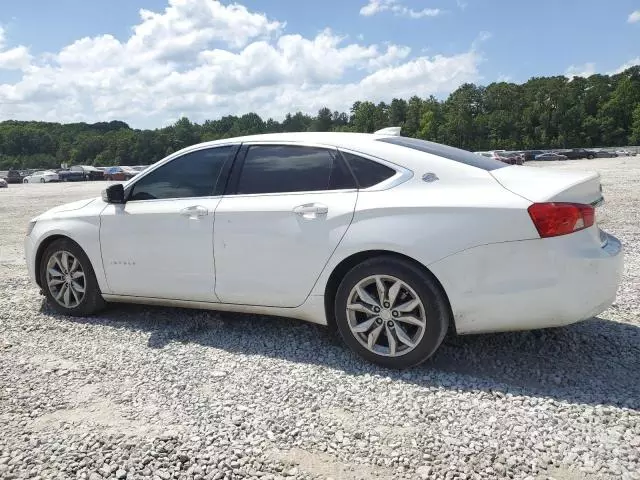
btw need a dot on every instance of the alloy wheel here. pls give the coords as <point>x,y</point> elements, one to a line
<point>386,315</point>
<point>66,279</point>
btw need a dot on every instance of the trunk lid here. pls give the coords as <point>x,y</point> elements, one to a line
<point>543,185</point>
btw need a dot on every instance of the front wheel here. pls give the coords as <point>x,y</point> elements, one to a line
<point>391,312</point>
<point>68,279</point>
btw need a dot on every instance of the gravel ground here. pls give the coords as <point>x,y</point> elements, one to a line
<point>141,392</point>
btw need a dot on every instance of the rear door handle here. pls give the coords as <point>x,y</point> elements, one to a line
<point>194,211</point>
<point>311,210</point>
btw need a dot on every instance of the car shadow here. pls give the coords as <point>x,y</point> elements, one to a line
<point>570,364</point>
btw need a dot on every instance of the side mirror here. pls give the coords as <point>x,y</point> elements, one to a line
<point>113,194</point>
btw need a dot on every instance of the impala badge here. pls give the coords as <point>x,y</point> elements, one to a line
<point>430,177</point>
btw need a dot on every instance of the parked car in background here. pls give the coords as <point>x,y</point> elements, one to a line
<point>3,183</point>
<point>578,153</point>
<point>140,168</point>
<point>14,176</point>
<point>606,154</point>
<point>70,175</point>
<point>530,155</point>
<point>550,156</point>
<point>90,172</point>
<point>119,173</point>
<point>330,228</point>
<point>512,158</point>
<point>42,176</point>
<point>625,153</point>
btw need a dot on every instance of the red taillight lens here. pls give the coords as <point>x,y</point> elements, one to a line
<point>553,219</point>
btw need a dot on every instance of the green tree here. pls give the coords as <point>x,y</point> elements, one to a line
<point>634,136</point>
<point>544,112</point>
<point>323,121</point>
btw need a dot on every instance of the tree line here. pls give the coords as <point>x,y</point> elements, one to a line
<point>544,112</point>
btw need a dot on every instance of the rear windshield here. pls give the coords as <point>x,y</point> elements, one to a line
<point>451,153</point>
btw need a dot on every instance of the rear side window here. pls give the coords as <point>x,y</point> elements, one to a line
<point>367,172</point>
<point>194,174</point>
<point>445,151</point>
<point>291,168</point>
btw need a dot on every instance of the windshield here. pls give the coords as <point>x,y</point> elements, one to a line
<point>445,151</point>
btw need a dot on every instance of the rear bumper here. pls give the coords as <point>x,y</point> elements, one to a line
<point>532,283</point>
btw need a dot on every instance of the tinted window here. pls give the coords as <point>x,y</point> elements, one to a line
<point>451,153</point>
<point>368,172</point>
<point>194,174</point>
<point>291,168</point>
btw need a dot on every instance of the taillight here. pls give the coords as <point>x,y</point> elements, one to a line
<point>559,218</point>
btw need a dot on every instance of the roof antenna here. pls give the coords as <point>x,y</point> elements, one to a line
<point>394,131</point>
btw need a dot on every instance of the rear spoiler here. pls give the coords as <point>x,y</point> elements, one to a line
<point>394,131</point>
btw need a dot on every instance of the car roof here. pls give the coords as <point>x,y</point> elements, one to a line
<point>338,139</point>
<point>372,144</point>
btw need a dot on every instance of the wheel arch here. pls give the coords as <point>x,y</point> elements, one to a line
<point>342,268</point>
<point>43,246</point>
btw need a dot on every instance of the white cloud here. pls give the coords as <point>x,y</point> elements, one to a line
<point>624,66</point>
<point>584,70</point>
<point>634,17</point>
<point>589,68</point>
<point>203,59</point>
<point>16,58</point>
<point>378,6</point>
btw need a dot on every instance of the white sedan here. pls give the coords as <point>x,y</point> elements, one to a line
<point>392,240</point>
<point>625,153</point>
<point>43,176</point>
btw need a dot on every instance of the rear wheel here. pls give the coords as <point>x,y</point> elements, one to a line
<point>42,180</point>
<point>391,312</point>
<point>68,279</point>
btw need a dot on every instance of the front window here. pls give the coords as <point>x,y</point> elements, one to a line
<point>194,174</point>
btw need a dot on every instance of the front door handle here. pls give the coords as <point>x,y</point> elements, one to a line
<point>194,211</point>
<point>311,210</point>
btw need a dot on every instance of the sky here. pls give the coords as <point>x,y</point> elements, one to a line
<point>150,62</point>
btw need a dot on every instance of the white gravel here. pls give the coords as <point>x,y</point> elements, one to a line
<point>141,392</point>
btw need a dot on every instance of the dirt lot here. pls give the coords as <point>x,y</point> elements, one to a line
<point>141,392</point>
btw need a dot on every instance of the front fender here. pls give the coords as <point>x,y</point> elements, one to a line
<point>85,231</point>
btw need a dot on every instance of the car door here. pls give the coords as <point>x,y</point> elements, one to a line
<point>160,242</point>
<point>286,210</point>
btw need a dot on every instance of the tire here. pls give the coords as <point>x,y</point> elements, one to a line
<point>42,180</point>
<point>25,181</point>
<point>590,157</point>
<point>433,311</point>
<point>91,300</point>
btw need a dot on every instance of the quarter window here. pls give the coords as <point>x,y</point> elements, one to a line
<point>291,168</point>
<point>194,174</point>
<point>367,172</point>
